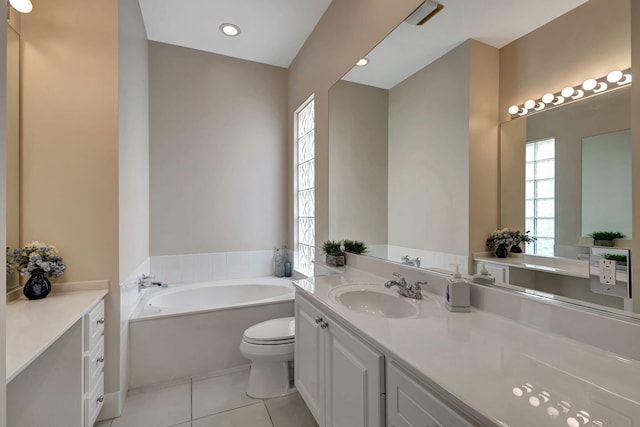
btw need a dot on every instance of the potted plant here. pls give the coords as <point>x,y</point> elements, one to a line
<point>354,246</point>
<point>39,260</point>
<point>334,253</point>
<point>520,237</point>
<point>605,238</point>
<point>500,240</point>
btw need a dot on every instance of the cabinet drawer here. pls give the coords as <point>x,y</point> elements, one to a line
<point>94,326</point>
<point>94,365</point>
<point>410,404</point>
<point>93,402</point>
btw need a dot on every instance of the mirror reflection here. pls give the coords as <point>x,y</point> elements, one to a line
<point>407,172</point>
<point>13,148</point>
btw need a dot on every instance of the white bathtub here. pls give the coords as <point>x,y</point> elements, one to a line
<point>218,295</point>
<point>196,329</point>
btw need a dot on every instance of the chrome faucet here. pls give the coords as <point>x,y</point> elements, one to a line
<point>144,282</point>
<point>415,262</point>
<point>410,291</point>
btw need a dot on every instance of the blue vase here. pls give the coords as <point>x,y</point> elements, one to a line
<point>502,251</point>
<point>38,286</point>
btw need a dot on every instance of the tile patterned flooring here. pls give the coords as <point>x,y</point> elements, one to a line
<point>217,401</point>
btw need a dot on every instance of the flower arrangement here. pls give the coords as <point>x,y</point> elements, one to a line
<point>500,237</point>
<point>520,237</point>
<point>38,256</point>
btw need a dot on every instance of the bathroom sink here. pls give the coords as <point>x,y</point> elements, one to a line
<point>368,299</point>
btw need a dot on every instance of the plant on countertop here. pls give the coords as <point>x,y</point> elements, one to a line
<point>500,237</point>
<point>519,237</point>
<point>354,246</point>
<point>9,262</point>
<point>615,257</point>
<point>332,248</point>
<point>605,235</point>
<point>38,256</point>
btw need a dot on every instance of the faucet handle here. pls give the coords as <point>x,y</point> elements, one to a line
<point>398,275</point>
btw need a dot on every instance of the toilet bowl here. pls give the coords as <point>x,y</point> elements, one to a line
<point>269,346</point>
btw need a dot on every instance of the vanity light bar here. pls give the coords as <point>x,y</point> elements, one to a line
<point>589,87</point>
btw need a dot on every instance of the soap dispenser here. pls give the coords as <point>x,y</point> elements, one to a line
<point>483,277</point>
<point>458,293</point>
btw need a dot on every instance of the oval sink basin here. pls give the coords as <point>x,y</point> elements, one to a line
<point>374,302</point>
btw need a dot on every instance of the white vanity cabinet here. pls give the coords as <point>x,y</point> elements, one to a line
<point>93,363</point>
<point>500,272</point>
<point>412,404</point>
<point>339,376</point>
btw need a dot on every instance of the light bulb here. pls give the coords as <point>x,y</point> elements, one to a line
<point>579,94</point>
<point>523,112</point>
<point>362,62</point>
<point>540,106</point>
<point>589,84</point>
<point>230,30</point>
<point>548,98</point>
<point>530,104</point>
<point>601,86</point>
<point>514,109</point>
<point>614,76</point>
<point>567,91</point>
<point>22,6</point>
<point>559,100</point>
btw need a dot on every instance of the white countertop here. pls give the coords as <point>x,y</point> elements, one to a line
<point>479,359</point>
<point>32,326</point>
<point>566,267</point>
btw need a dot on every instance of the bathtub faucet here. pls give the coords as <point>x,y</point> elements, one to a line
<point>145,282</point>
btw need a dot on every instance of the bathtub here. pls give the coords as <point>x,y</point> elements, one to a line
<point>195,329</point>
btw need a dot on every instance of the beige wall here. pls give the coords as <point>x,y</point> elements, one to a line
<point>429,156</point>
<point>70,144</point>
<point>217,148</point>
<point>358,130</point>
<point>134,138</point>
<point>3,213</point>
<point>347,31</point>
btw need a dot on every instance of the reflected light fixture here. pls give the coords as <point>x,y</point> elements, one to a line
<point>590,87</point>
<point>230,30</point>
<point>22,6</point>
<point>362,62</point>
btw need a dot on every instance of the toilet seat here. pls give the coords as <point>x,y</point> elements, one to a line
<point>271,332</point>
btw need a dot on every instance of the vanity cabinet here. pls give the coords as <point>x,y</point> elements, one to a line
<point>340,377</point>
<point>500,272</point>
<point>412,404</point>
<point>93,363</point>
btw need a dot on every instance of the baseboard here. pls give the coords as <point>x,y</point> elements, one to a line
<point>112,407</point>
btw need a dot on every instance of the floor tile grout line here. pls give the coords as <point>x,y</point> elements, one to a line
<point>191,400</point>
<point>229,410</point>
<point>273,424</point>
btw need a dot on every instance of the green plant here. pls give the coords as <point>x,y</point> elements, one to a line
<point>615,257</point>
<point>606,235</point>
<point>333,248</point>
<point>354,246</point>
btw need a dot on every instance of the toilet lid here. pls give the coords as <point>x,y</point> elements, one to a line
<point>275,331</point>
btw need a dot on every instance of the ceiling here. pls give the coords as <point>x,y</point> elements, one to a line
<point>410,48</point>
<point>274,31</point>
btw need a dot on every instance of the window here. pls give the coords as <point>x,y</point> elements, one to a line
<point>540,195</point>
<point>304,188</point>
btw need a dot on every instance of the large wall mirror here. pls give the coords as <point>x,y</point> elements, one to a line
<point>399,155</point>
<point>13,148</point>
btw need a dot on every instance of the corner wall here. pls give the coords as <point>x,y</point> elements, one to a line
<point>217,148</point>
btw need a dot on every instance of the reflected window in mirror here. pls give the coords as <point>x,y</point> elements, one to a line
<point>540,195</point>
<point>305,188</point>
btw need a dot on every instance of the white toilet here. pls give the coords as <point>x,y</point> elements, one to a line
<point>270,346</point>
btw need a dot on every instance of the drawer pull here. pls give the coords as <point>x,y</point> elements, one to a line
<point>100,321</point>
<point>100,399</point>
<point>318,320</point>
<point>100,359</point>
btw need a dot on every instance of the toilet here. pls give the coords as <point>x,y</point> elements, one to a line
<point>270,347</point>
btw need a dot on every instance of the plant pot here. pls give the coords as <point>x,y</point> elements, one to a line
<point>335,260</point>
<point>603,243</point>
<point>38,286</point>
<point>502,251</point>
<point>516,249</point>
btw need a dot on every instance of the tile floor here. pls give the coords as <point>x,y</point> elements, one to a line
<point>217,401</point>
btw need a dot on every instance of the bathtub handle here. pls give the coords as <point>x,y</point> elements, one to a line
<point>318,320</point>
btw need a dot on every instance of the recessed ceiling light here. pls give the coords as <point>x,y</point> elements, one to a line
<point>362,62</point>
<point>230,29</point>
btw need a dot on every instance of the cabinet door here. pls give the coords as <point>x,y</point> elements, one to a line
<point>309,363</point>
<point>354,381</point>
<point>409,404</point>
